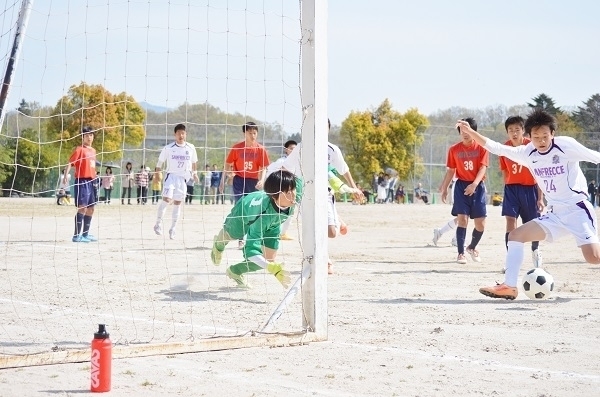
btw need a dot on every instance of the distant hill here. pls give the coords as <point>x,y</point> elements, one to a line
<point>154,108</point>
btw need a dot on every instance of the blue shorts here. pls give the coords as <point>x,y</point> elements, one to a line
<point>520,201</point>
<point>85,192</point>
<point>474,205</point>
<point>242,187</point>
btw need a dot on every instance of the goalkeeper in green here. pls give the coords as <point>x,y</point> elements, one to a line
<point>258,216</point>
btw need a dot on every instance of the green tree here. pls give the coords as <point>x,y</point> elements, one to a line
<point>118,119</point>
<point>30,165</point>
<point>546,103</point>
<point>382,138</point>
<point>588,116</point>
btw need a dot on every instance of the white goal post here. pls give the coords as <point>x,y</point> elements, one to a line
<point>157,296</point>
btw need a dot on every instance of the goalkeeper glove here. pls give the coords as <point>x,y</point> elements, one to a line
<point>282,275</point>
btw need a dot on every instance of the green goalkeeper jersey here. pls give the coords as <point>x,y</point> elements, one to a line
<point>258,218</point>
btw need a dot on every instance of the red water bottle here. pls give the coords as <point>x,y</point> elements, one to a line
<point>101,360</point>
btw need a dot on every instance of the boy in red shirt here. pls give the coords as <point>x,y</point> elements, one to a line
<point>83,159</point>
<point>469,161</point>
<point>522,196</point>
<point>248,160</point>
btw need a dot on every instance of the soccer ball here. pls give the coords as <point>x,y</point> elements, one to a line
<point>538,284</point>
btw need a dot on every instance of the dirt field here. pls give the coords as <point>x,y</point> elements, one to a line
<point>405,319</point>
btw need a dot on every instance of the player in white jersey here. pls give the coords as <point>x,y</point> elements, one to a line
<point>180,158</point>
<point>335,159</point>
<point>554,163</point>
<point>289,147</point>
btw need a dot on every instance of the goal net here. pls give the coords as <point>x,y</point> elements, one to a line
<point>132,71</point>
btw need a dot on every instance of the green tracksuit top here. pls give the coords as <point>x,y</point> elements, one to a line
<point>258,218</point>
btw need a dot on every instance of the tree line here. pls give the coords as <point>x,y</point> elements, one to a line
<point>36,141</point>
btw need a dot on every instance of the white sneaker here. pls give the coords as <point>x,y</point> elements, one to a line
<point>172,234</point>
<point>436,236</point>
<point>536,256</point>
<point>474,254</point>
<point>158,230</point>
<point>454,242</point>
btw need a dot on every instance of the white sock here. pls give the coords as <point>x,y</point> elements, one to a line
<point>176,212</point>
<point>514,260</point>
<point>448,226</point>
<point>162,207</point>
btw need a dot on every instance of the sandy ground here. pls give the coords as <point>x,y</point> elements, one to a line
<point>405,319</point>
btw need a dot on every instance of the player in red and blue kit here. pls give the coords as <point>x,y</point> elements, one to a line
<point>83,159</point>
<point>469,161</point>
<point>522,196</point>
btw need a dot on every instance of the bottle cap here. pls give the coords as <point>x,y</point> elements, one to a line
<point>101,334</point>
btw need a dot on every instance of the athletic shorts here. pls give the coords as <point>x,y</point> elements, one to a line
<point>242,187</point>
<point>333,219</point>
<point>174,187</point>
<point>474,205</point>
<point>520,201</point>
<point>578,220</point>
<point>85,192</point>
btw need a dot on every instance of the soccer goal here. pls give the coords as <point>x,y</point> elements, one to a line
<point>132,71</point>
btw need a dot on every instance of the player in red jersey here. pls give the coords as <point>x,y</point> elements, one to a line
<point>469,161</point>
<point>83,159</point>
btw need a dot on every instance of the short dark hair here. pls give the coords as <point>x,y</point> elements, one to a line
<point>87,130</point>
<point>179,127</point>
<point>514,120</point>
<point>250,125</point>
<point>538,118</point>
<point>289,143</point>
<point>279,181</point>
<point>471,121</point>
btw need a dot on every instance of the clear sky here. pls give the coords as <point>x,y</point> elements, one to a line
<point>434,54</point>
<point>239,55</point>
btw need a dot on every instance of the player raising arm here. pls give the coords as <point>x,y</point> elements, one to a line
<point>554,163</point>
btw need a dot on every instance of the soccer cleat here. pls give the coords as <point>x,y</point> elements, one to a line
<point>285,237</point>
<point>474,254</point>
<point>80,239</point>
<point>536,256</point>
<point>216,255</point>
<point>501,291</point>
<point>454,242</point>
<point>172,234</point>
<point>158,230</point>
<point>239,279</point>
<point>461,259</point>
<point>90,237</point>
<point>436,236</point>
<point>241,244</point>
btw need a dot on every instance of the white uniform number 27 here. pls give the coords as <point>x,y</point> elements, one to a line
<point>468,165</point>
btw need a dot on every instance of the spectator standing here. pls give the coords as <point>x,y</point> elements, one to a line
<point>156,185</point>
<point>592,192</point>
<point>127,181</point>
<point>215,184</point>
<point>142,180</point>
<point>206,177</point>
<point>189,195</point>
<point>106,181</point>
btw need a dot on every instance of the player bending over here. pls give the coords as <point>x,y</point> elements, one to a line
<point>259,216</point>
<point>554,163</point>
